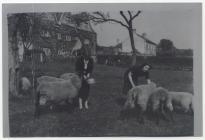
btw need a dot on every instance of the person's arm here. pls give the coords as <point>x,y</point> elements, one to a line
<point>148,81</point>
<point>147,77</point>
<point>78,67</point>
<point>90,68</point>
<point>130,79</point>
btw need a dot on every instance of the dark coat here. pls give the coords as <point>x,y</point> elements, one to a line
<point>81,71</point>
<point>79,66</point>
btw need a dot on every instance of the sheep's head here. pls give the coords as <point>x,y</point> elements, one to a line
<point>76,81</point>
<point>152,85</point>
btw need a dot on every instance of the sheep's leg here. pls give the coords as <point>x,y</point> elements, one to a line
<point>80,103</point>
<point>37,108</point>
<point>163,114</point>
<point>86,104</point>
<point>170,113</point>
<point>191,110</point>
<point>159,112</point>
<point>157,116</point>
<point>51,107</point>
<point>141,116</point>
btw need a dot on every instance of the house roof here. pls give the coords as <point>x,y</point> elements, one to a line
<point>146,39</point>
<point>62,21</point>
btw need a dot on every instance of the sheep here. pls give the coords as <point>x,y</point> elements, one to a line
<point>159,100</point>
<point>67,76</point>
<point>56,90</point>
<point>139,95</point>
<point>48,79</point>
<point>74,78</point>
<point>24,85</point>
<point>182,99</point>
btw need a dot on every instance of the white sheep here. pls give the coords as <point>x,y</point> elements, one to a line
<point>182,99</point>
<point>159,101</point>
<point>56,90</point>
<point>25,84</point>
<point>139,95</point>
<point>73,77</point>
<point>48,79</point>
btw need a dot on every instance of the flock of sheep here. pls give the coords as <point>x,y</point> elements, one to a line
<point>52,90</point>
<point>159,100</point>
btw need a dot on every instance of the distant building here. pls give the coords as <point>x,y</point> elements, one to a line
<point>60,36</point>
<point>143,45</point>
<point>65,34</point>
<point>111,50</point>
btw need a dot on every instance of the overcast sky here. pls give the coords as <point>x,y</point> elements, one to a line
<point>181,25</point>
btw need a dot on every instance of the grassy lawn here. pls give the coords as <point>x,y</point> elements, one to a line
<point>103,116</point>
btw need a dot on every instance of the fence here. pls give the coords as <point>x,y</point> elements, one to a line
<point>158,62</point>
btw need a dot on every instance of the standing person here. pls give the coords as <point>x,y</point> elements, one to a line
<point>84,68</point>
<point>132,74</point>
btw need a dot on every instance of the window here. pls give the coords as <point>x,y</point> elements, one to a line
<point>68,38</point>
<point>58,35</point>
<point>45,33</point>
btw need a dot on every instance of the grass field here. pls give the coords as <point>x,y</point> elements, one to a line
<point>103,116</point>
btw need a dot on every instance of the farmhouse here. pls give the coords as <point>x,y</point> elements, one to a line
<point>60,36</point>
<point>143,45</point>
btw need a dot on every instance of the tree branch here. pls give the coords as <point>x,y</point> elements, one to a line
<point>136,14</point>
<point>122,14</point>
<point>102,19</point>
<point>130,14</point>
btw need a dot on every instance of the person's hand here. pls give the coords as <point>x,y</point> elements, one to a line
<point>84,76</point>
<point>148,81</point>
<point>133,85</point>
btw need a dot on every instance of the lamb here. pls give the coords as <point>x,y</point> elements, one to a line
<point>140,95</point>
<point>182,99</point>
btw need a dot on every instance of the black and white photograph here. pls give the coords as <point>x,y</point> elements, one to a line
<point>102,70</point>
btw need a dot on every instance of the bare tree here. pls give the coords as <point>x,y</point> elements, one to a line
<point>129,17</point>
<point>13,56</point>
<point>22,27</point>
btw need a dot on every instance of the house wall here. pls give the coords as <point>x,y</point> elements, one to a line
<point>66,33</point>
<point>141,45</point>
<point>150,49</point>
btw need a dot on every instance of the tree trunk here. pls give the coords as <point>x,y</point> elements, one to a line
<point>14,76</point>
<point>133,46</point>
